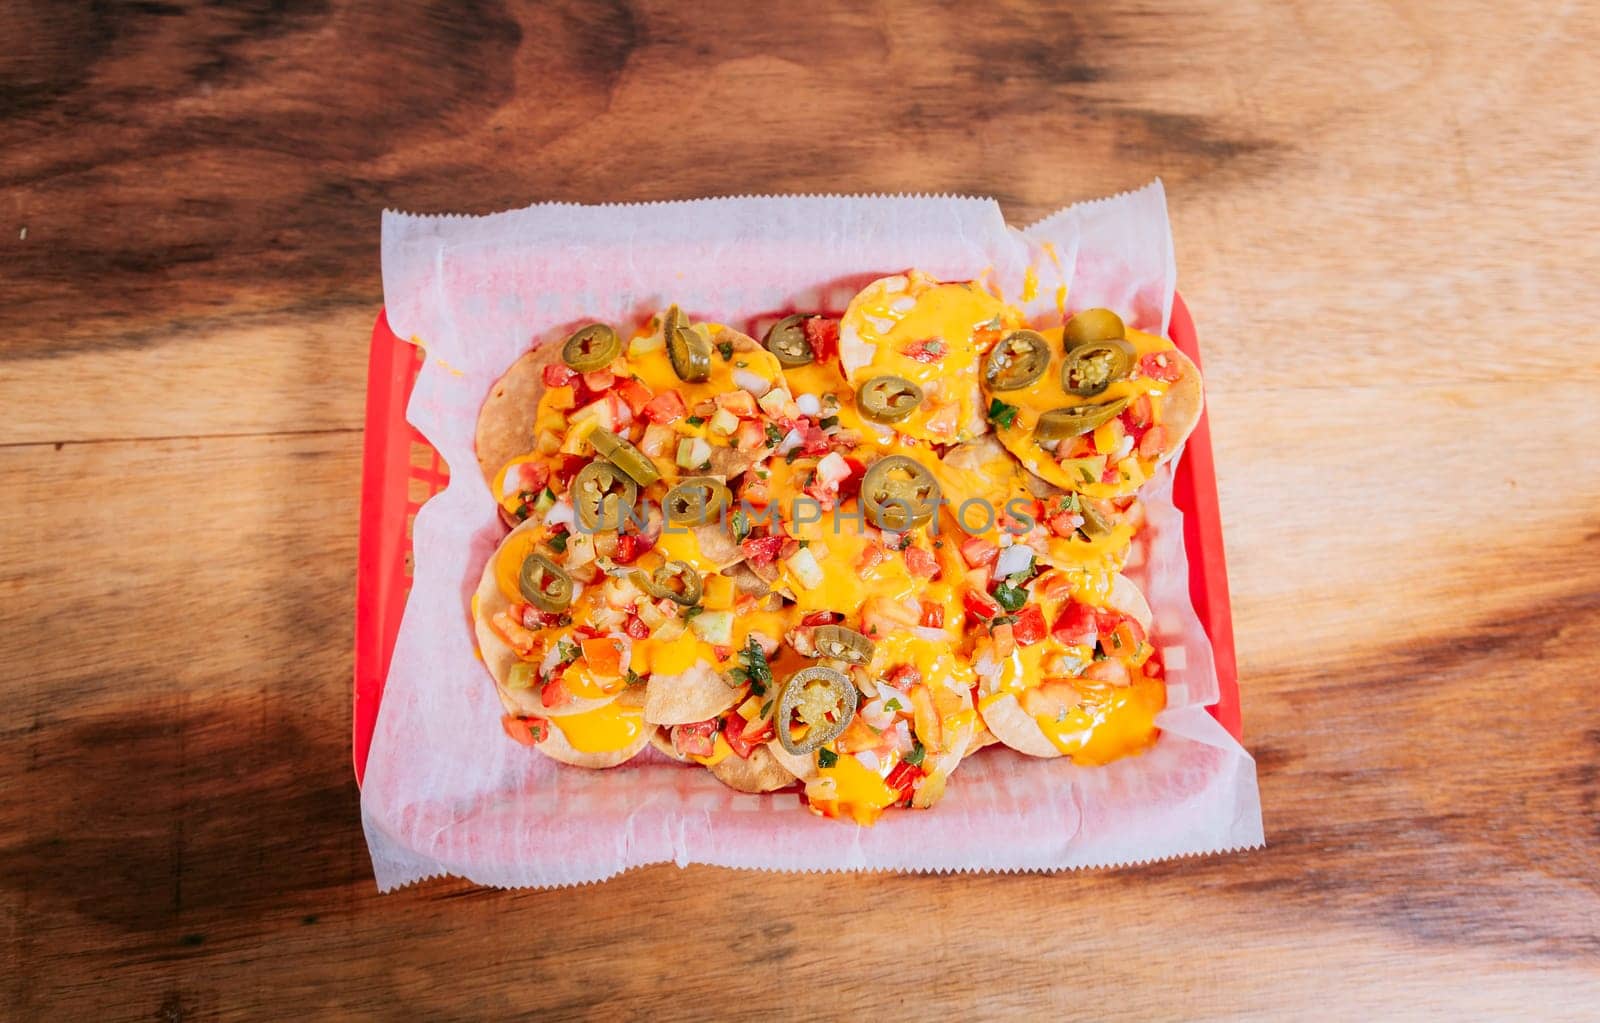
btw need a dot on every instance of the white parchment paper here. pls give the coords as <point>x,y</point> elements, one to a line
<point>446,793</point>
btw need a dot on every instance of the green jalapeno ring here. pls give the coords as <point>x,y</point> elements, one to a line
<point>787,340</point>
<point>1092,325</point>
<point>842,644</point>
<point>898,493</point>
<point>888,399</point>
<point>592,493</point>
<point>592,347</point>
<point>1018,360</point>
<point>696,501</point>
<point>1076,420</point>
<point>690,354</point>
<point>1094,525</point>
<point>671,320</point>
<point>543,583</point>
<point>818,733</point>
<point>660,583</point>
<point>1093,366</point>
<point>622,454</point>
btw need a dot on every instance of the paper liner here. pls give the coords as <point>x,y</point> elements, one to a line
<point>446,793</point>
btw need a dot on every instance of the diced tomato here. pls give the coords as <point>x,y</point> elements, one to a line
<point>533,476</point>
<point>530,731</point>
<point>1154,443</point>
<point>1062,523</point>
<point>698,739</point>
<point>1075,625</point>
<point>636,394</point>
<point>666,407</point>
<point>979,604</point>
<point>1139,414</point>
<point>903,779</point>
<point>932,615</point>
<point>636,627</point>
<point>812,440</point>
<point>903,676</point>
<point>722,652</point>
<point>822,618</point>
<point>1029,628</point>
<point>921,563</point>
<point>1030,513</point>
<point>554,694</point>
<point>1160,366</point>
<point>1108,622</point>
<point>744,736</point>
<point>584,632</point>
<point>1153,667</point>
<point>1111,475</point>
<point>977,551</point>
<point>762,550</point>
<point>850,486</point>
<point>570,464</point>
<point>558,375</point>
<point>630,546</point>
<point>599,380</point>
<point>823,333</point>
<point>928,350</point>
<point>872,555</point>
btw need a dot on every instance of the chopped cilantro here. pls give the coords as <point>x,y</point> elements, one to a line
<point>1069,503</point>
<point>1099,652</point>
<point>892,704</point>
<point>558,543</point>
<point>999,620</point>
<point>1088,477</point>
<point>690,612</point>
<point>933,346</point>
<point>827,422</point>
<point>634,678</point>
<point>725,348</point>
<point>826,758</point>
<point>741,364</point>
<point>568,651</point>
<point>741,526</point>
<point>914,758</point>
<point>774,435</point>
<point>1010,597</point>
<point>1000,413</point>
<point>755,665</point>
<point>695,420</point>
<point>792,454</point>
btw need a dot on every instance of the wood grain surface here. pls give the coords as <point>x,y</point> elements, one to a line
<point>1387,232</point>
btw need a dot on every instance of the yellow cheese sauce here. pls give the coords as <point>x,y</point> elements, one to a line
<point>603,730</point>
<point>1111,722</point>
<point>897,313</point>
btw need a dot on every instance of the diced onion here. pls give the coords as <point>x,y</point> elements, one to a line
<point>560,514</point>
<point>808,404</point>
<point>791,440</point>
<point>752,382</point>
<point>1013,559</point>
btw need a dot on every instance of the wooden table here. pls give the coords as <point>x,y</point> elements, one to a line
<point>1386,230</point>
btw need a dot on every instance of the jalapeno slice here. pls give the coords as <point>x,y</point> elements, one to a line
<point>898,493</point>
<point>622,454</point>
<point>1092,366</point>
<point>599,491</point>
<point>591,347</point>
<point>671,320</point>
<point>888,399</point>
<point>1018,360</point>
<point>690,354</point>
<point>787,340</point>
<point>544,584</point>
<point>1075,420</point>
<point>696,501</point>
<point>1094,525</point>
<point>825,700</point>
<point>675,580</point>
<point>842,644</point>
<point>1093,325</point>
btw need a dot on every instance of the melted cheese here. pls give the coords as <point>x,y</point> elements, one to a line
<point>720,751</point>
<point>603,730</point>
<point>896,313</point>
<point>849,790</point>
<point>508,562</point>
<point>1111,722</point>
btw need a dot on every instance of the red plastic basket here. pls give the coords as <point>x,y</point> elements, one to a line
<point>400,471</point>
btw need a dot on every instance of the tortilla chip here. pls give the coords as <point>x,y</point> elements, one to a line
<point>556,747</point>
<point>1185,400</point>
<point>761,772</point>
<point>747,580</point>
<point>717,546</point>
<point>505,423</point>
<point>697,694</point>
